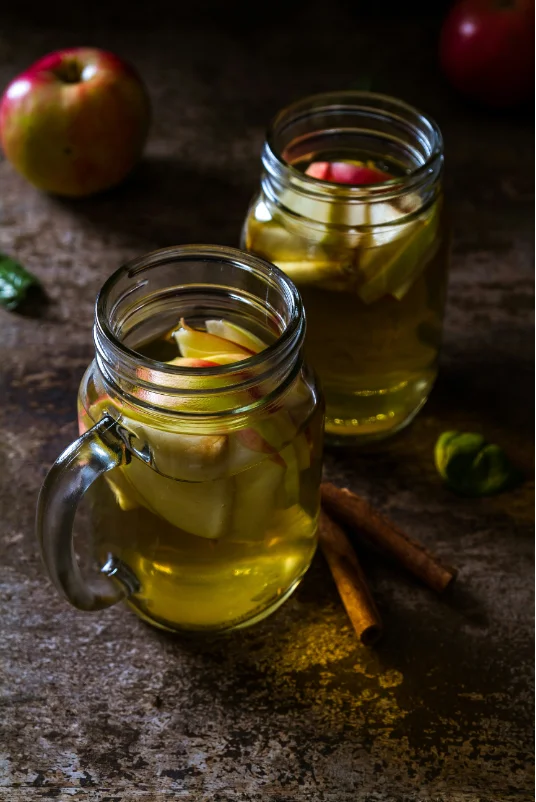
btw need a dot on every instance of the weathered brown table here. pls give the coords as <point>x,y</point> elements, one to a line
<point>103,707</point>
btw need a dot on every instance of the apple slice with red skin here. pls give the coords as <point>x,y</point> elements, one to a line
<point>190,362</point>
<point>249,437</point>
<point>201,345</point>
<point>213,361</point>
<point>252,440</point>
<point>346,173</point>
<point>318,170</point>
<point>193,340</point>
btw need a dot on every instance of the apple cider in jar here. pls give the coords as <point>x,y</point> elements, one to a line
<point>206,426</point>
<point>351,209</point>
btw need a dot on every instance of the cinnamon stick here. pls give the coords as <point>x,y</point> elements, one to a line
<point>350,580</point>
<point>357,514</point>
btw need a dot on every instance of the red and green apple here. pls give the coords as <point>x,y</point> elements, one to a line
<point>75,122</point>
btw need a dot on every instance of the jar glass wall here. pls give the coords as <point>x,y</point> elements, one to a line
<point>209,522</point>
<point>370,261</point>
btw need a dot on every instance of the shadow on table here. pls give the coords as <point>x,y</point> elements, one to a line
<point>306,656</point>
<point>496,392</point>
<point>439,662</point>
<point>165,201</point>
<point>302,677</point>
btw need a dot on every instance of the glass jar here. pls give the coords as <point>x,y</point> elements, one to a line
<point>202,482</point>
<point>370,260</point>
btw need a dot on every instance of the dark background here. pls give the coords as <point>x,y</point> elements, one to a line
<point>103,707</point>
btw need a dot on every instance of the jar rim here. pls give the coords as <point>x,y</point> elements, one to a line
<point>353,100</point>
<point>151,373</point>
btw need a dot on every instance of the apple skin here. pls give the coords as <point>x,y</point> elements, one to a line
<point>75,122</point>
<point>346,173</point>
<point>486,51</point>
<point>196,344</point>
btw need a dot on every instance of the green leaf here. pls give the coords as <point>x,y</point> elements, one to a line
<point>471,466</point>
<point>15,281</point>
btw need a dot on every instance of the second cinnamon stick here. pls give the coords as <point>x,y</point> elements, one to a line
<point>350,580</point>
<point>357,514</point>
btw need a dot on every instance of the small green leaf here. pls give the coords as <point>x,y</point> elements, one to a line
<point>471,466</point>
<point>15,281</point>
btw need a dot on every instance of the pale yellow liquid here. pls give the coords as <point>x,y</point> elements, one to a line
<point>377,362</point>
<point>211,554</point>
<point>376,358</point>
<point>196,583</point>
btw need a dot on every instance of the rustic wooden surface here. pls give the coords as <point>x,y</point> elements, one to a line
<point>101,707</point>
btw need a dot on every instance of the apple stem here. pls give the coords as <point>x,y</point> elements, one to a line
<point>69,72</point>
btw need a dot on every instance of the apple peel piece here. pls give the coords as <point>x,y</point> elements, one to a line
<point>252,440</point>
<point>282,237</point>
<point>189,362</point>
<point>198,380</point>
<point>318,170</point>
<point>212,361</point>
<point>201,507</point>
<point>347,172</point>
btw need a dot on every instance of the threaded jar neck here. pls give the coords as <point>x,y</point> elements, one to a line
<point>353,122</point>
<point>149,295</point>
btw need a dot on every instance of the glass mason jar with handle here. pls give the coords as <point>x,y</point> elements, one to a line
<point>200,445</point>
<point>351,208</point>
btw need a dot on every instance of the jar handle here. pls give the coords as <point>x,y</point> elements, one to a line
<point>97,451</point>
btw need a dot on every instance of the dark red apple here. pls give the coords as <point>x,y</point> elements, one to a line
<point>75,122</point>
<point>486,50</point>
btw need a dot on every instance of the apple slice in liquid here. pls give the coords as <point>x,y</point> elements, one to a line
<point>282,234</point>
<point>237,506</point>
<point>123,491</point>
<point>292,523</point>
<point>235,335</point>
<point>347,172</point>
<point>338,212</point>
<point>200,503</point>
<point>201,508</point>
<point>200,344</point>
<point>255,500</point>
<point>201,381</point>
<point>328,275</point>
<point>390,268</point>
<point>191,504</point>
